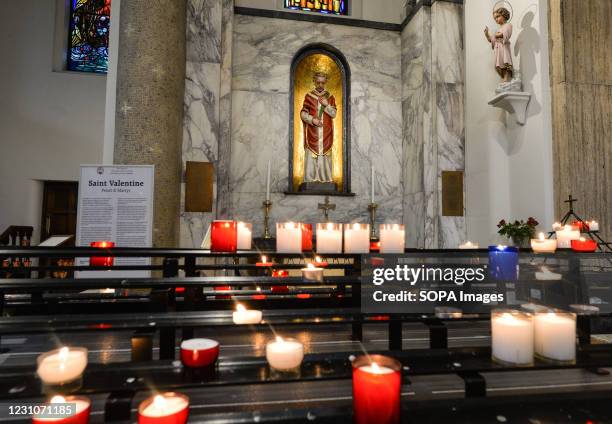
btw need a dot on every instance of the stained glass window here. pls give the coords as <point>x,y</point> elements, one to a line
<point>88,38</point>
<point>334,7</point>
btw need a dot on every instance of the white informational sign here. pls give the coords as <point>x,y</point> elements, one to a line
<point>115,204</point>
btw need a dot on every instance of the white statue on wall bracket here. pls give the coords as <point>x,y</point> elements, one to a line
<point>502,47</point>
<point>510,95</point>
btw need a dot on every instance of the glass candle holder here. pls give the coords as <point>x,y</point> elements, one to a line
<point>166,408</point>
<point>392,238</point>
<point>101,260</point>
<point>288,237</point>
<point>555,336</point>
<point>61,366</point>
<point>566,235</point>
<point>357,238</point>
<point>245,235</point>
<point>377,382</point>
<point>80,416</point>
<point>503,262</point>
<point>584,245</point>
<point>284,354</point>
<point>224,236</point>
<point>543,245</point>
<point>329,238</point>
<point>306,237</point>
<point>512,337</point>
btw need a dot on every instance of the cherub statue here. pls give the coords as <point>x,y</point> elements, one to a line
<point>500,42</point>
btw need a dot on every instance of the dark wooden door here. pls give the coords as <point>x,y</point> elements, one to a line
<point>59,211</point>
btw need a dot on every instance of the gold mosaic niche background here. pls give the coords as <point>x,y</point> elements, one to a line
<point>304,72</point>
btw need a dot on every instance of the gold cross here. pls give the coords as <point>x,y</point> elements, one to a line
<point>326,207</point>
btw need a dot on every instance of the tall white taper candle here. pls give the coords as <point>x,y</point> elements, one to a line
<point>268,183</point>
<point>372,181</point>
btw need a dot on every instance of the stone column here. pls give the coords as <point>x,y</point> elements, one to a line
<point>149,112</point>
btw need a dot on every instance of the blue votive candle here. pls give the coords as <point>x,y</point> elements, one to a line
<point>503,262</point>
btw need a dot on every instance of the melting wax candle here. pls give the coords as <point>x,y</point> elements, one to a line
<point>246,316</point>
<point>543,245</point>
<point>312,273</point>
<point>284,355</point>
<point>61,366</point>
<point>512,337</point>
<point>166,408</point>
<point>376,390</point>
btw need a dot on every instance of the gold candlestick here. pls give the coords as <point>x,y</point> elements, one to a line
<point>266,206</point>
<point>372,208</point>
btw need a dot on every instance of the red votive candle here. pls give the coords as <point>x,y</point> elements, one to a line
<point>224,236</point>
<point>306,237</point>
<point>199,352</point>
<point>581,225</point>
<point>280,273</point>
<point>166,408</point>
<point>101,260</point>
<point>374,246</point>
<point>80,416</point>
<point>280,289</point>
<point>584,245</point>
<point>376,390</point>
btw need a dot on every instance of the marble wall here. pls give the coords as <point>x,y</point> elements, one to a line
<point>262,53</point>
<point>207,106</point>
<point>433,130</point>
<point>406,116</point>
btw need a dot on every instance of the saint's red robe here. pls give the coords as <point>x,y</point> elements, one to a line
<point>311,133</point>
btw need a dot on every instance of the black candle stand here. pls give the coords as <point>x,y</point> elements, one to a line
<point>594,235</point>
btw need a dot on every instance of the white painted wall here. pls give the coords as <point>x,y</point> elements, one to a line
<point>50,122</point>
<point>370,10</point>
<point>509,170</point>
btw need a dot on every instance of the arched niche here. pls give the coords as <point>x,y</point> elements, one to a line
<point>309,61</point>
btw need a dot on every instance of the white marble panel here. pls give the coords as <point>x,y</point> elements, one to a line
<point>204,31</point>
<point>265,47</point>
<point>260,131</point>
<point>447,43</point>
<point>201,112</point>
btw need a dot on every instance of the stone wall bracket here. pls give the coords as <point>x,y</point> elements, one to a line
<point>513,102</point>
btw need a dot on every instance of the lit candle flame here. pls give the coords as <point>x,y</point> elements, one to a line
<point>226,225</point>
<point>63,354</point>
<point>256,288</point>
<point>310,266</point>
<point>279,339</point>
<point>58,399</point>
<point>330,226</point>
<point>375,368</point>
<point>541,236</point>
<point>317,259</point>
<point>501,247</point>
<point>240,308</point>
<point>290,225</point>
<point>159,402</point>
<point>264,259</point>
<point>582,239</point>
<point>355,226</point>
<point>568,228</point>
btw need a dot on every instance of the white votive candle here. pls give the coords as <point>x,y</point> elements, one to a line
<point>555,336</point>
<point>244,236</point>
<point>62,365</point>
<point>80,413</point>
<point>288,237</point>
<point>329,238</point>
<point>284,355</point>
<point>392,238</point>
<point>543,245</point>
<point>566,235</point>
<point>557,226</point>
<point>243,315</point>
<point>312,273</point>
<point>468,245</point>
<point>593,225</point>
<point>512,337</point>
<point>356,238</point>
